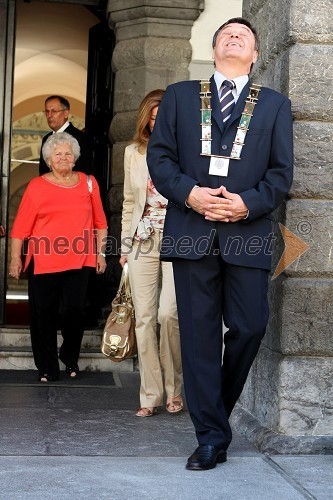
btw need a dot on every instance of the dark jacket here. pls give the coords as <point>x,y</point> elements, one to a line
<point>262,177</point>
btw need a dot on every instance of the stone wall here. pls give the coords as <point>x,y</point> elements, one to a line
<point>152,50</point>
<point>290,387</point>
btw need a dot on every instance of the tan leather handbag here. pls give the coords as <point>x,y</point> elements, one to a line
<point>119,341</point>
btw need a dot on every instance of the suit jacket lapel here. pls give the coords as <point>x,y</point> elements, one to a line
<point>140,176</point>
<point>216,106</point>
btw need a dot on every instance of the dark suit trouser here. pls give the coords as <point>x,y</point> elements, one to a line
<point>208,290</point>
<point>47,293</point>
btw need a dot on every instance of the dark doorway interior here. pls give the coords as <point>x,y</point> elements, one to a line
<point>98,115</point>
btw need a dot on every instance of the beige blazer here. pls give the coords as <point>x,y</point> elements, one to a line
<point>135,194</point>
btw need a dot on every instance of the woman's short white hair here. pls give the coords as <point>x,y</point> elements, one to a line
<point>60,138</point>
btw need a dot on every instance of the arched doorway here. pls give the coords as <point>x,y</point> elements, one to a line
<point>54,44</point>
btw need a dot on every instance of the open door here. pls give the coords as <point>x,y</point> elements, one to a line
<point>99,113</point>
<point>7,47</point>
<point>99,101</point>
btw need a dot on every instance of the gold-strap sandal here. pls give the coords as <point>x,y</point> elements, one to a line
<point>146,412</point>
<point>175,405</point>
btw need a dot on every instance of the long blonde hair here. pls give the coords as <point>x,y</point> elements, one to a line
<point>142,131</point>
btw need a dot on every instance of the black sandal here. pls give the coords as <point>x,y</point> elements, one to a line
<point>45,377</point>
<point>72,371</point>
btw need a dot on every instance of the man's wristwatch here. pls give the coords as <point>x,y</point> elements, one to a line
<point>102,254</point>
<point>186,204</point>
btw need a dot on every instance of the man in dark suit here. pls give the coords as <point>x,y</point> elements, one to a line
<point>57,111</point>
<point>221,152</point>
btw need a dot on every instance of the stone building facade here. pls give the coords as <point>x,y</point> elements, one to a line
<point>291,386</point>
<point>287,404</point>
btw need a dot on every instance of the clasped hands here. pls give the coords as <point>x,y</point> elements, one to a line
<point>218,204</point>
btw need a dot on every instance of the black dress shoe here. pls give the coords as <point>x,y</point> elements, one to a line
<point>206,457</point>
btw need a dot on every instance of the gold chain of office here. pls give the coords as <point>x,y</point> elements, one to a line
<point>243,127</point>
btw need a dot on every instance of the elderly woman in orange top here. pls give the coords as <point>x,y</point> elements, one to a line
<point>62,217</point>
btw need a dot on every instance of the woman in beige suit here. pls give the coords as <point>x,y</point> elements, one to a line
<point>153,296</point>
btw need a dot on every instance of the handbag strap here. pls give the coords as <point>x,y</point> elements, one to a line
<point>89,183</point>
<point>124,285</point>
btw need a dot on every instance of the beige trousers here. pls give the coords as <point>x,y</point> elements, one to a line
<point>159,362</point>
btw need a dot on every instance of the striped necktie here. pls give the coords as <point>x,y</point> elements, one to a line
<point>227,99</point>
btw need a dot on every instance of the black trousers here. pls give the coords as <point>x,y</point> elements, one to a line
<point>48,295</point>
<point>208,292</point>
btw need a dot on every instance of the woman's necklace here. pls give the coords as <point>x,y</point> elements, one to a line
<point>63,178</point>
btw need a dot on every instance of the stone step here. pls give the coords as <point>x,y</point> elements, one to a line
<point>89,361</point>
<point>16,353</point>
<point>20,337</point>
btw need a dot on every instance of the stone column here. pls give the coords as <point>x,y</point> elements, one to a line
<point>289,391</point>
<point>152,50</point>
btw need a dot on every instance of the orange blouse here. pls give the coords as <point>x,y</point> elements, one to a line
<point>60,223</point>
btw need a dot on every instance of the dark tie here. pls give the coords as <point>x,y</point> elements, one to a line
<point>227,99</point>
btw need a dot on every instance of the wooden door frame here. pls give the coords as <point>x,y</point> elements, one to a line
<point>7,53</point>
